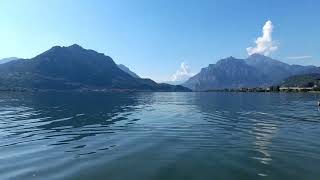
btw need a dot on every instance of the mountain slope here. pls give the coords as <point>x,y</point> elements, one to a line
<point>275,71</point>
<point>306,80</point>
<point>226,73</point>
<point>73,67</point>
<point>127,70</point>
<point>255,71</point>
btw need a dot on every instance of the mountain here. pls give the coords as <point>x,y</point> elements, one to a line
<point>255,71</point>
<point>73,68</point>
<point>5,60</point>
<point>127,70</point>
<point>275,71</point>
<point>226,73</point>
<point>306,80</point>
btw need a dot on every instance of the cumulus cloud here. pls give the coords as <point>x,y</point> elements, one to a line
<point>183,73</point>
<point>264,44</point>
<point>299,57</point>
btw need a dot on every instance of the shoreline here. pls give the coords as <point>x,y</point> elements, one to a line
<point>18,90</point>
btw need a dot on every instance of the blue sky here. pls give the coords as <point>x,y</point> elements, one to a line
<point>153,37</point>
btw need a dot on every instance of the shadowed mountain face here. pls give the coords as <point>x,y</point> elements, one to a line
<point>255,71</point>
<point>70,68</point>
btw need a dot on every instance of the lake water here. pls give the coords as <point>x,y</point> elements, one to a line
<point>160,136</point>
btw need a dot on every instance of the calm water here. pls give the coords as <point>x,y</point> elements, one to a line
<point>161,136</point>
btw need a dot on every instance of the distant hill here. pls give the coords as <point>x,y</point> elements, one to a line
<point>173,82</point>
<point>127,70</point>
<point>5,60</point>
<point>255,71</point>
<point>73,68</point>
<point>307,80</point>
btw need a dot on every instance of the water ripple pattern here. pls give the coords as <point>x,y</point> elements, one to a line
<point>159,136</point>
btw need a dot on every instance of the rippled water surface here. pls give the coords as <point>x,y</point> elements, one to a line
<point>161,136</point>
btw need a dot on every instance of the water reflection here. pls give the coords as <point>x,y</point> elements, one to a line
<point>158,136</point>
<point>264,131</point>
<point>63,118</point>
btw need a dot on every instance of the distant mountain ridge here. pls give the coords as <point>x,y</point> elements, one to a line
<point>255,71</point>
<point>6,60</point>
<point>73,68</point>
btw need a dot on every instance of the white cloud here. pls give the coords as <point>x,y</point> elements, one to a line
<point>299,57</point>
<point>264,45</point>
<point>183,73</point>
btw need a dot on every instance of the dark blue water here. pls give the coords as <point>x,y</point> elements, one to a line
<point>159,136</point>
